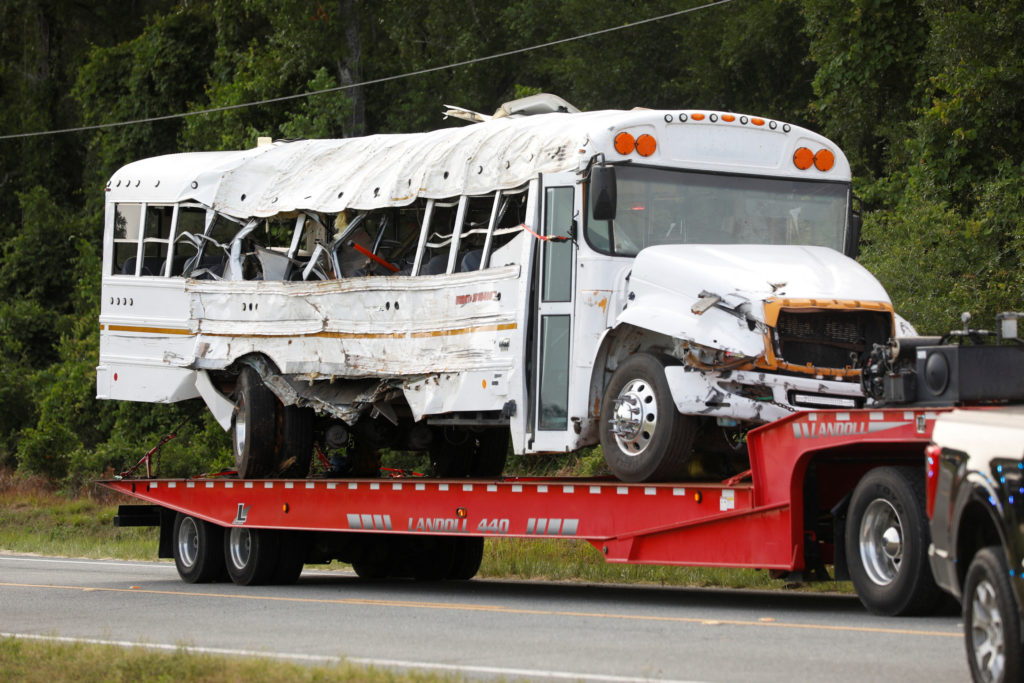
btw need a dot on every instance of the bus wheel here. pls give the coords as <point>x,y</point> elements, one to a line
<point>255,425</point>
<point>643,436</point>
<point>468,554</point>
<point>251,555</point>
<point>197,549</point>
<point>991,626</point>
<point>295,447</point>
<point>887,543</point>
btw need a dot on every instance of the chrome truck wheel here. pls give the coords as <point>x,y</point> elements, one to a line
<point>251,555</point>
<point>197,549</point>
<point>643,436</point>
<point>991,626</point>
<point>887,543</point>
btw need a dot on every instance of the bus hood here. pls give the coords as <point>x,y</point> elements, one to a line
<point>714,295</point>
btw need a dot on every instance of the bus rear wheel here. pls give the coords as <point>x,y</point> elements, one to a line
<point>643,436</point>
<point>255,425</point>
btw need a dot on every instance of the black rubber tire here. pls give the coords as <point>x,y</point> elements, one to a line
<point>295,445</point>
<point>254,426</point>
<point>251,555</point>
<point>432,558</point>
<point>197,549</point>
<point>468,553</point>
<point>293,546</point>
<point>887,539</point>
<point>990,619</point>
<point>662,444</point>
<point>467,453</point>
<point>371,571</point>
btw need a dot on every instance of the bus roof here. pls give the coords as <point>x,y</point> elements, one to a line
<point>503,153</point>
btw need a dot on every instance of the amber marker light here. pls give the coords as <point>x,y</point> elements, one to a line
<point>462,513</point>
<point>728,117</point>
<point>697,117</point>
<point>646,145</point>
<point>624,143</point>
<point>757,122</point>
<point>284,508</point>
<point>803,158</point>
<point>824,160</point>
<point>698,497</point>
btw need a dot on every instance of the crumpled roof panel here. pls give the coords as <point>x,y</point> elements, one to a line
<point>393,170</point>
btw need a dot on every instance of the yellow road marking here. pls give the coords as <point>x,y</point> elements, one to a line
<point>498,609</point>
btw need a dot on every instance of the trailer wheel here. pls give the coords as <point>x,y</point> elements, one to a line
<point>291,557</point>
<point>468,554</point>
<point>887,543</point>
<point>991,627</point>
<point>197,549</point>
<point>251,555</point>
<point>643,436</point>
<point>255,425</point>
<point>432,557</point>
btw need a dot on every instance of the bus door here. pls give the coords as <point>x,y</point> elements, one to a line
<point>553,321</point>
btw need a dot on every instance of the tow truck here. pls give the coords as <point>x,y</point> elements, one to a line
<point>839,488</point>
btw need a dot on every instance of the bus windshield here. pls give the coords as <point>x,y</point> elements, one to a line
<point>659,206</point>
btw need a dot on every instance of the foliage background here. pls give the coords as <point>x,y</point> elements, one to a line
<point>925,96</point>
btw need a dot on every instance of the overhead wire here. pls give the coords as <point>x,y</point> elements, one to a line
<point>373,81</point>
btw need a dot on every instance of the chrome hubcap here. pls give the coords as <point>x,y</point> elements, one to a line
<point>239,547</point>
<point>881,542</point>
<point>188,542</point>
<point>635,417</point>
<point>987,632</point>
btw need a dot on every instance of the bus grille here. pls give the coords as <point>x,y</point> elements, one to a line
<point>828,338</point>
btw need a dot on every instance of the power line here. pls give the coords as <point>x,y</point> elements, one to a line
<point>373,81</point>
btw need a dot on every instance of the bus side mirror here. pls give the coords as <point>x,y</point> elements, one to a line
<point>602,193</point>
<point>853,238</point>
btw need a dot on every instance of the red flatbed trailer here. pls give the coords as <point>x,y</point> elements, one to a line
<point>809,473</point>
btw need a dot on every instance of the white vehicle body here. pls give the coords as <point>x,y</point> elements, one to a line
<point>724,261</point>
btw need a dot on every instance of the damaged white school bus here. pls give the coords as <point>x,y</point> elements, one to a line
<point>653,281</point>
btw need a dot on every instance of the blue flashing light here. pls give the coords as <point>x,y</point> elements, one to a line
<point>999,468</point>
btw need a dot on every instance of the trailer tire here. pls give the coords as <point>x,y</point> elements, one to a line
<point>887,540</point>
<point>468,553</point>
<point>197,549</point>
<point>255,425</point>
<point>432,557</point>
<point>291,557</point>
<point>251,555</point>
<point>643,436</point>
<point>991,627</point>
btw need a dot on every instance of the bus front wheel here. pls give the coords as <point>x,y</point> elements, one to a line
<point>643,436</point>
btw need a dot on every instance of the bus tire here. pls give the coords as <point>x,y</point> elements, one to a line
<point>255,425</point>
<point>467,556</point>
<point>887,540</point>
<point>295,449</point>
<point>251,555</point>
<point>197,549</point>
<point>643,436</point>
<point>991,627</point>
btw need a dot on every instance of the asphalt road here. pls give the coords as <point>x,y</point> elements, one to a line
<point>484,628</point>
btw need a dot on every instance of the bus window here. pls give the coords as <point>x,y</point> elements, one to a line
<point>127,218</point>
<point>156,239</point>
<point>191,222</point>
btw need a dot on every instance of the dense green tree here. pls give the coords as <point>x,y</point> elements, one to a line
<point>925,96</point>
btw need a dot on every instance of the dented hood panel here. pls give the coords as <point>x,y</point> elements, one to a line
<point>756,272</point>
<point>666,281</point>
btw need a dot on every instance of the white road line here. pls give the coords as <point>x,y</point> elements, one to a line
<point>362,661</point>
<point>105,563</point>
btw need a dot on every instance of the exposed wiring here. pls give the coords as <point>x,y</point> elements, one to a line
<point>373,81</point>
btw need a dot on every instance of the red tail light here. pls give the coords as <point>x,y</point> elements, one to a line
<point>931,454</point>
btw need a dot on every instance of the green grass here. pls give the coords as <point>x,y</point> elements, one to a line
<point>37,519</point>
<point>33,661</point>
